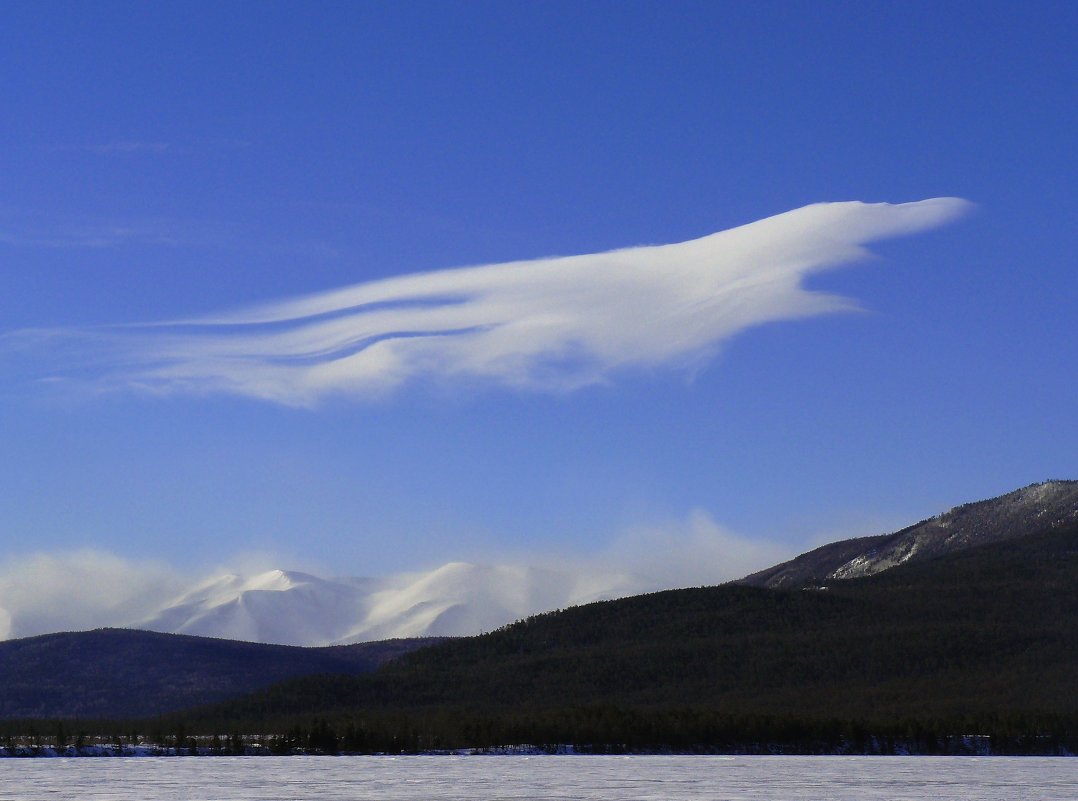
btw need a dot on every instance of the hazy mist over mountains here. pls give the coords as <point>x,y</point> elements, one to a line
<point>88,589</point>
<point>463,599</point>
<point>459,598</point>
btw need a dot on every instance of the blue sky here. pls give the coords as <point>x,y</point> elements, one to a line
<point>163,162</point>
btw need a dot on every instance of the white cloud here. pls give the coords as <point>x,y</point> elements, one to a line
<point>119,146</point>
<point>79,590</point>
<point>128,146</point>
<point>94,234</point>
<point>694,552</point>
<point>549,324</point>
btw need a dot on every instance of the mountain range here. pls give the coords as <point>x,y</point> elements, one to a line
<point>288,607</point>
<point>461,599</point>
<point>969,650</point>
<point>293,608</point>
<point>962,611</point>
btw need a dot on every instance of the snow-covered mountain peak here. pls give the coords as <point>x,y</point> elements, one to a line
<point>279,581</point>
<point>457,598</point>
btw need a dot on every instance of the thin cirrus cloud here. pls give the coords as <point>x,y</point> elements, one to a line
<point>547,324</point>
<point>117,146</point>
<point>102,234</point>
<point>129,146</point>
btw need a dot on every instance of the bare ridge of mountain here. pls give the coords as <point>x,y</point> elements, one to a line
<point>1034,508</point>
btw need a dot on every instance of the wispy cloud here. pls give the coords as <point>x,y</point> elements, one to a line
<point>96,235</point>
<point>77,590</point>
<point>693,552</point>
<point>119,146</point>
<point>24,228</point>
<point>129,146</point>
<point>548,324</point>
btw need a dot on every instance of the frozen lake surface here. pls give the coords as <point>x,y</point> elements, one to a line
<point>580,778</point>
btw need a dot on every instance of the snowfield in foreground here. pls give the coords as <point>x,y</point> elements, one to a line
<point>646,778</point>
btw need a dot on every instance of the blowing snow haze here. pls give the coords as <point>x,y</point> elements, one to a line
<point>461,599</point>
<point>299,609</point>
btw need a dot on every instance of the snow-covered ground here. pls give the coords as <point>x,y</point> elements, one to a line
<point>450,778</point>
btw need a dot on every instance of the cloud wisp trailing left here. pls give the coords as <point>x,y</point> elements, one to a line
<point>548,324</point>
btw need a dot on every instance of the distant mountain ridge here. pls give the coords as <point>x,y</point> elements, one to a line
<point>978,642</point>
<point>458,598</point>
<point>1037,507</point>
<point>972,609</point>
<point>119,673</point>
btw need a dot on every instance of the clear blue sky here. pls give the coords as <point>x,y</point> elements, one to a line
<point>167,161</point>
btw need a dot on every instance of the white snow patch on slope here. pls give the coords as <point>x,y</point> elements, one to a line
<point>277,606</point>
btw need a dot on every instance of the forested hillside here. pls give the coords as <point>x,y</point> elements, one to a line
<point>980,641</point>
<point>123,673</point>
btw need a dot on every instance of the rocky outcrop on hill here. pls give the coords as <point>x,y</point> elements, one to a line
<point>1031,509</point>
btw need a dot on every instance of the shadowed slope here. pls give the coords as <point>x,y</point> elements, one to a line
<point>987,630</point>
<point>119,673</point>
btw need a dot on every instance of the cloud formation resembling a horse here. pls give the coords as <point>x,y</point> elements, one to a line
<point>546,324</point>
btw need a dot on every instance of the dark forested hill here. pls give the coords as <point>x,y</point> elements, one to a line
<point>123,673</point>
<point>987,633</point>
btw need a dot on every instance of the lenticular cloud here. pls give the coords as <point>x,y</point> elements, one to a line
<point>547,324</point>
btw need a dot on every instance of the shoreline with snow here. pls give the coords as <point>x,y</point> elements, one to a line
<point>959,745</point>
